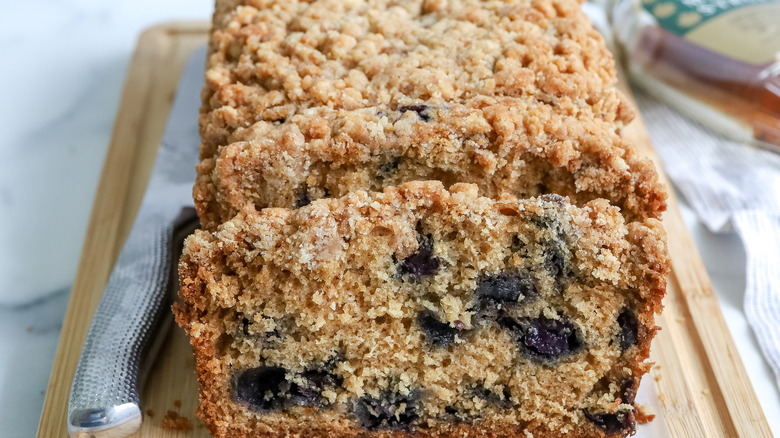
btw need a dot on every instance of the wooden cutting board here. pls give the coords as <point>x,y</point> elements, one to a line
<point>703,388</point>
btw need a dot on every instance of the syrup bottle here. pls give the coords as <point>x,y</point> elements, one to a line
<point>716,60</point>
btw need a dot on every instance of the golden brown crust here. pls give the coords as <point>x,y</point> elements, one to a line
<point>270,59</point>
<point>298,253</point>
<point>504,145</point>
<point>516,97</point>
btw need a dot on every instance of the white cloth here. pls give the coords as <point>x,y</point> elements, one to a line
<point>732,187</point>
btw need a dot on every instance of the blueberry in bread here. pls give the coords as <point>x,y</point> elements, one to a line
<point>423,312</point>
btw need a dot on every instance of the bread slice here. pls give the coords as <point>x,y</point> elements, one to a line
<point>312,99</point>
<point>423,312</point>
<point>504,145</point>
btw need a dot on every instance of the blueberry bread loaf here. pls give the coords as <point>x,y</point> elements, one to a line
<point>315,99</point>
<point>423,312</point>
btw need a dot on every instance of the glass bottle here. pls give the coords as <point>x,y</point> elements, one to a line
<point>716,60</point>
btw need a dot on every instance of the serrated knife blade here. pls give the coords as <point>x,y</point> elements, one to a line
<point>105,397</point>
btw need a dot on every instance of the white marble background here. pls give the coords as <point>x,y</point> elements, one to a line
<point>62,67</point>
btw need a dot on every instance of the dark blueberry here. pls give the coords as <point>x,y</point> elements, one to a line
<point>550,338</point>
<point>305,396</point>
<point>489,310</point>
<point>389,410</point>
<point>262,388</point>
<point>419,109</point>
<point>511,324</point>
<point>612,422</point>
<point>544,338</point>
<point>491,397</point>
<point>303,199</point>
<point>629,328</point>
<point>507,287</point>
<point>437,333</point>
<point>627,391</point>
<point>322,379</point>
<point>554,262</point>
<point>265,388</point>
<point>422,263</point>
<point>314,382</point>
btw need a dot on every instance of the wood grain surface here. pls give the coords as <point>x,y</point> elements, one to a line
<point>702,385</point>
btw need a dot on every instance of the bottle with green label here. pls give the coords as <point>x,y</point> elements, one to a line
<point>716,60</point>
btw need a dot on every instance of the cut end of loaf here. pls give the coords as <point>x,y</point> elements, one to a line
<point>423,312</point>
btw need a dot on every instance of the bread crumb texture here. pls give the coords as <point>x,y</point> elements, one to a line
<point>421,311</point>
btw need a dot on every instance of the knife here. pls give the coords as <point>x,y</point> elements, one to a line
<point>134,311</point>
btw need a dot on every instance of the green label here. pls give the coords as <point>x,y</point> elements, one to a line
<point>682,16</point>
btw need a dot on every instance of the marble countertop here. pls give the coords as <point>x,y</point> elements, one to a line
<point>64,64</point>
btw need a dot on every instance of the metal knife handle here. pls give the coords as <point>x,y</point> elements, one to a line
<point>104,398</point>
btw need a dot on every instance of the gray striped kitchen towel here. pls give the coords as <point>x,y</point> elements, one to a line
<point>731,187</point>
